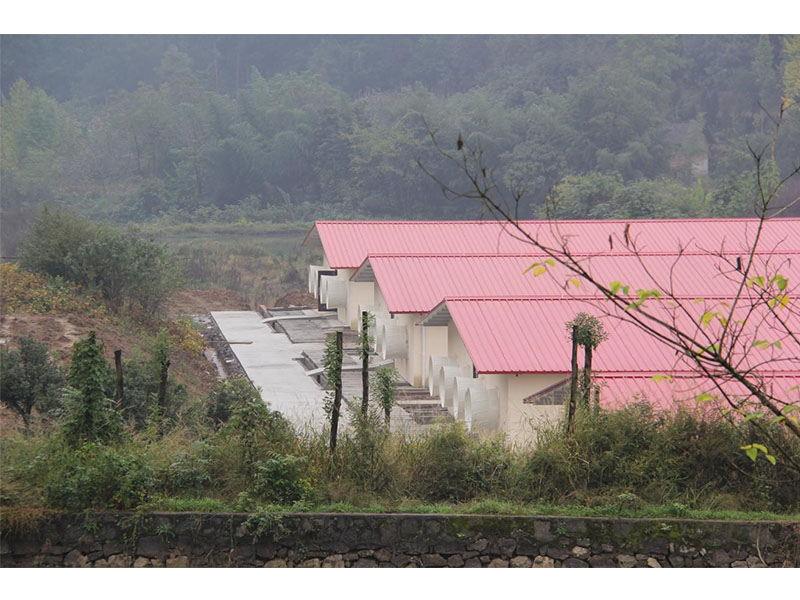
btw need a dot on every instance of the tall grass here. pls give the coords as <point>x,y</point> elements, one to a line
<point>621,463</point>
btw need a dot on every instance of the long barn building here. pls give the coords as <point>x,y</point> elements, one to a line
<point>460,311</point>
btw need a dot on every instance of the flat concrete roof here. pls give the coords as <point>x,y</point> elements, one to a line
<point>268,358</point>
<point>269,362</point>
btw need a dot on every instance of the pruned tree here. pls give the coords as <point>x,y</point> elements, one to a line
<point>365,341</point>
<point>332,363</point>
<point>384,381</point>
<point>91,416</point>
<point>587,331</point>
<point>725,342</point>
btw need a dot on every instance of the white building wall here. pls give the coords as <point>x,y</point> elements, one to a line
<point>434,344</point>
<point>520,421</point>
<point>456,350</point>
<point>344,274</point>
<point>359,293</point>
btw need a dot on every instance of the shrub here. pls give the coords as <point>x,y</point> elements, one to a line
<point>451,464</point>
<point>21,291</point>
<point>29,378</point>
<point>662,457</point>
<point>95,476</point>
<point>228,394</point>
<point>187,473</point>
<point>250,436</point>
<point>279,479</point>
<point>121,268</point>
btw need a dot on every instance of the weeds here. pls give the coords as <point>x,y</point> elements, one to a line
<point>632,462</point>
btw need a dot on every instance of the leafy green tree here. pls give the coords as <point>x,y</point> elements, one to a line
<point>769,92</point>
<point>617,114</point>
<point>791,68</point>
<point>536,164</point>
<point>51,240</point>
<point>38,142</point>
<point>605,196</point>
<point>91,414</point>
<point>29,378</point>
<point>121,268</point>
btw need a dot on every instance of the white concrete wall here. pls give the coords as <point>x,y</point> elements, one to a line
<point>435,344</point>
<point>456,350</point>
<point>344,274</point>
<point>520,421</point>
<point>358,293</point>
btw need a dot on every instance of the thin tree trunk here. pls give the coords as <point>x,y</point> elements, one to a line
<point>364,362</point>
<point>337,397</point>
<point>587,374</point>
<point>119,391</point>
<point>162,387</point>
<point>573,384</point>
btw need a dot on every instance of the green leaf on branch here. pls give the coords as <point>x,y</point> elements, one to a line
<point>752,450</point>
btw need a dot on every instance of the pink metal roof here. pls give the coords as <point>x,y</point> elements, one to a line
<point>347,243</point>
<point>416,284</point>
<point>666,394</point>
<point>524,335</point>
<point>616,392</point>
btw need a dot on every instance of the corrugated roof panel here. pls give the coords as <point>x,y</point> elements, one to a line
<point>524,335</point>
<point>347,243</point>
<point>416,284</point>
<point>616,392</point>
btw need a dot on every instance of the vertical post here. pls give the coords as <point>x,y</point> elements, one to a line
<point>424,366</point>
<point>364,362</point>
<point>573,384</point>
<point>587,374</point>
<point>119,391</point>
<point>162,387</point>
<point>337,397</point>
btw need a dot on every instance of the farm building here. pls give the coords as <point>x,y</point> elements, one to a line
<point>459,310</point>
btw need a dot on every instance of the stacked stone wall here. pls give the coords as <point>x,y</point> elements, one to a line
<point>391,540</point>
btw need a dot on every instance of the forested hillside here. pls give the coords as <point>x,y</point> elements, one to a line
<point>293,128</point>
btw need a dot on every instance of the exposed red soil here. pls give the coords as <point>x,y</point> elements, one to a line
<point>296,298</point>
<point>196,302</point>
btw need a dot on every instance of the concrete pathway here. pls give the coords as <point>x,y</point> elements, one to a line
<point>269,362</point>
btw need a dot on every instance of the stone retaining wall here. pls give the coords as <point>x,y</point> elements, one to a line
<point>392,540</point>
